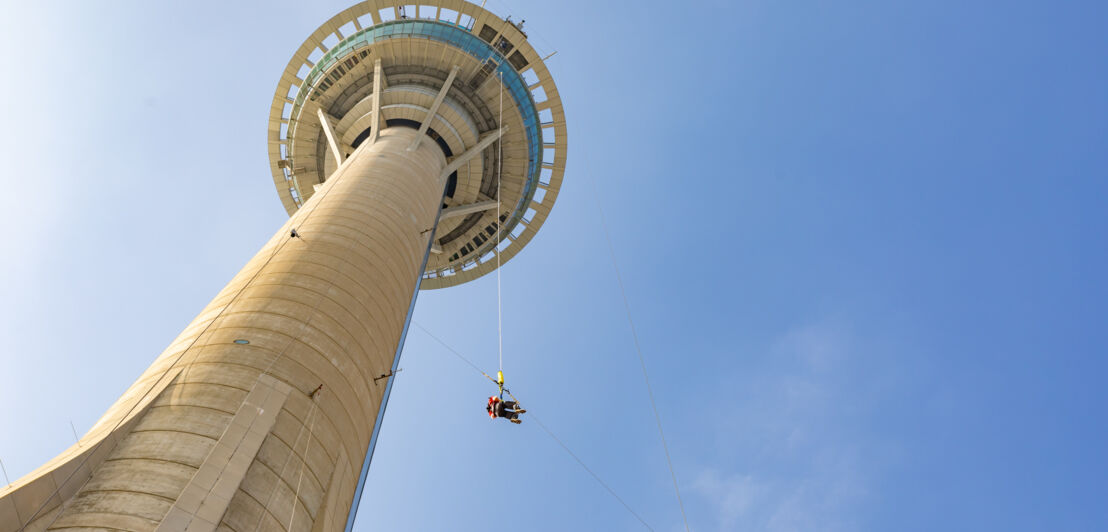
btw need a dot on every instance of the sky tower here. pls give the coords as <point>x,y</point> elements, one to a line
<point>414,146</point>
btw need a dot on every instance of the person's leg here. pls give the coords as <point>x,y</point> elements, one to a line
<point>511,405</point>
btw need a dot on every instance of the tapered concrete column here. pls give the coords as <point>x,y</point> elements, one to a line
<point>231,433</point>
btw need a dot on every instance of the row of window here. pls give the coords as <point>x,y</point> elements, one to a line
<point>482,49</point>
<point>459,38</point>
<point>338,72</point>
<point>480,238</point>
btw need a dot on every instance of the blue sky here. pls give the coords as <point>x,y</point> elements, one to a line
<point>863,243</point>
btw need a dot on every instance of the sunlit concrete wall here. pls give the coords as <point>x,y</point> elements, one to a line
<point>223,433</point>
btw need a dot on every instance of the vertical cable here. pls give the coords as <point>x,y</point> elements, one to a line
<point>284,466</point>
<point>303,462</point>
<point>499,226</point>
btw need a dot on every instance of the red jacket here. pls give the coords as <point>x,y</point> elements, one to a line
<point>492,406</point>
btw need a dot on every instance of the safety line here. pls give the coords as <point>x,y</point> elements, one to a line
<point>452,350</point>
<point>590,471</point>
<point>303,462</point>
<point>499,227</point>
<point>280,356</point>
<point>281,473</point>
<point>642,361</point>
<point>541,425</point>
<point>303,325</point>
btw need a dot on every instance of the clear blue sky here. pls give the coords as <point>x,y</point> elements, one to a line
<point>864,244</point>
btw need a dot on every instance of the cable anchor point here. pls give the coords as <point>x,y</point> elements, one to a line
<point>387,375</point>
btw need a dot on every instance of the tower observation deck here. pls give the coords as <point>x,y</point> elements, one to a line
<point>414,146</point>
<point>441,68</point>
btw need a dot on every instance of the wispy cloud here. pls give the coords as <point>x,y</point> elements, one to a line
<point>733,496</point>
<point>797,463</point>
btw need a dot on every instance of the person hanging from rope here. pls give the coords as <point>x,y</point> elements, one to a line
<point>509,410</point>
<point>498,407</point>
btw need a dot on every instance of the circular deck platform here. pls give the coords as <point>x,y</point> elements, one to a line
<point>494,72</point>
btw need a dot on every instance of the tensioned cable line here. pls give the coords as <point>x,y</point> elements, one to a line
<point>314,400</point>
<point>463,359</point>
<point>543,427</point>
<point>303,462</point>
<point>281,245</point>
<point>311,428</point>
<point>293,338</point>
<point>284,466</point>
<point>280,356</point>
<point>590,471</point>
<point>499,227</point>
<point>638,350</point>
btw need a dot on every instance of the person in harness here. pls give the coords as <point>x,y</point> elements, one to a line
<point>509,410</point>
<point>498,407</point>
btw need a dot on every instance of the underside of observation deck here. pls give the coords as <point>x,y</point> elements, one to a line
<point>458,74</point>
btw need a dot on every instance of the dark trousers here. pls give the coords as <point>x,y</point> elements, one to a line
<point>505,409</point>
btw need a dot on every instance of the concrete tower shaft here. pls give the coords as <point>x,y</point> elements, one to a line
<point>224,425</point>
<point>405,142</point>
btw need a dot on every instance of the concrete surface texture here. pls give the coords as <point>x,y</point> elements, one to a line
<point>233,421</point>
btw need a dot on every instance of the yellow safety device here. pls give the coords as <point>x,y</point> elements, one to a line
<point>500,378</point>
